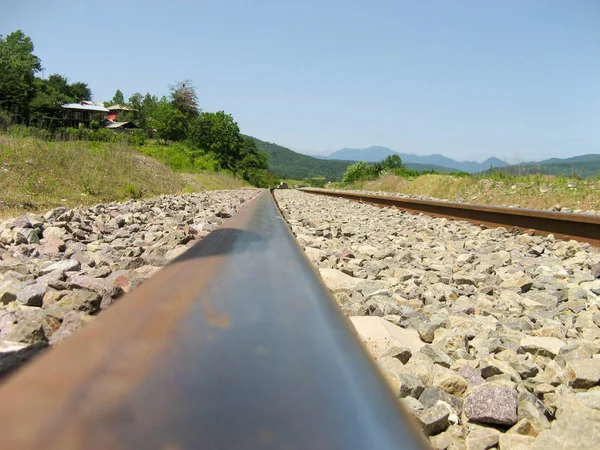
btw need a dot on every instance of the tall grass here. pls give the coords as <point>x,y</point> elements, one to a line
<point>37,174</point>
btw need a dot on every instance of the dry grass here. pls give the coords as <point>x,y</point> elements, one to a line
<point>37,175</point>
<point>534,191</point>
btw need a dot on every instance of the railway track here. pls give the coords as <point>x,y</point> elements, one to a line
<point>236,344</point>
<point>580,227</point>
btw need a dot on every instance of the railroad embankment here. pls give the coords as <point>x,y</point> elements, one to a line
<point>531,191</point>
<point>36,175</point>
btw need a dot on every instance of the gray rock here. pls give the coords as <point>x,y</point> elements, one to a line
<point>596,270</point>
<point>32,295</point>
<point>81,300</point>
<point>14,355</point>
<point>66,265</point>
<point>72,322</point>
<point>472,376</point>
<point>403,354</point>
<point>409,386</point>
<point>379,335</point>
<point>28,331</point>
<point>482,438</point>
<point>432,420</point>
<point>576,427</point>
<point>491,404</point>
<point>30,235</point>
<point>529,410</point>
<point>431,396</point>
<point>437,356</point>
<point>518,281</point>
<point>515,442</point>
<point>585,372</point>
<point>412,404</point>
<point>543,346</point>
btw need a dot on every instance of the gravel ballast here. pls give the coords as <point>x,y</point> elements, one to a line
<point>507,348</point>
<point>60,269</point>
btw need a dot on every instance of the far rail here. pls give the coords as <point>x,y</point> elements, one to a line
<point>580,227</point>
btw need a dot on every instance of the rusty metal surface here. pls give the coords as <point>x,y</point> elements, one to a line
<point>580,227</point>
<point>236,344</point>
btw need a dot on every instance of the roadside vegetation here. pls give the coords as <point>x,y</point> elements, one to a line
<point>36,175</point>
<point>176,145</point>
<point>537,191</point>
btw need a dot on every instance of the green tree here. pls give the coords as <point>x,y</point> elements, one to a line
<point>254,165</point>
<point>356,172</point>
<point>184,98</point>
<point>18,66</point>
<point>137,113</point>
<point>218,133</point>
<point>118,98</point>
<point>45,107</point>
<point>168,122</point>
<point>392,162</point>
<point>80,91</point>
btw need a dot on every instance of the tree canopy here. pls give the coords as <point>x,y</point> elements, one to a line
<point>118,98</point>
<point>184,98</point>
<point>19,66</point>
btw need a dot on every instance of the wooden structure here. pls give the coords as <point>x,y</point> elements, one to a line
<point>76,114</point>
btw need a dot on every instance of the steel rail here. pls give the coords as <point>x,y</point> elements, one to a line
<point>580,227</point>
<point>237,344</point>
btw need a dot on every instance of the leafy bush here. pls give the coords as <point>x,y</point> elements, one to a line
<point>362,171</point>
<point>261,178</point>
<point>359,172</point>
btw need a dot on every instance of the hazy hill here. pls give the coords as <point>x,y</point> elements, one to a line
<point>585,166</point>
<point>376,153</point>
<point>287,163</point>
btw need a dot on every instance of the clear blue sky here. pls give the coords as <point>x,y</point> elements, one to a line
<point>469,79</point>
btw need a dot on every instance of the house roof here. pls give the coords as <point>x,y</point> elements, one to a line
<point>85,107</point>
<point>118,108</point>
<point>121,125</point>
<point>87,102</point>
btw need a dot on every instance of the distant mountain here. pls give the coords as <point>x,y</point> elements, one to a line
<point>373,154</point>
<point>584,166</point>
<point>287,163</point>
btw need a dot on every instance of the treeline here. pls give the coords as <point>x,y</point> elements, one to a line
<point>362,171</point>
<point>26,99</point>
<point>392,165</point>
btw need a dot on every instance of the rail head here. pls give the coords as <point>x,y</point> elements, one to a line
<point>236,344</point>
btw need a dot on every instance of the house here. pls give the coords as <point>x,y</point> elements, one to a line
<point>76,114</point>
<point>113,111</point>
<point>82,114</point>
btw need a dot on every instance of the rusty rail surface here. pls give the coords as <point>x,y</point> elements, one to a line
<point>237,344</point>
<point>580,227</point>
